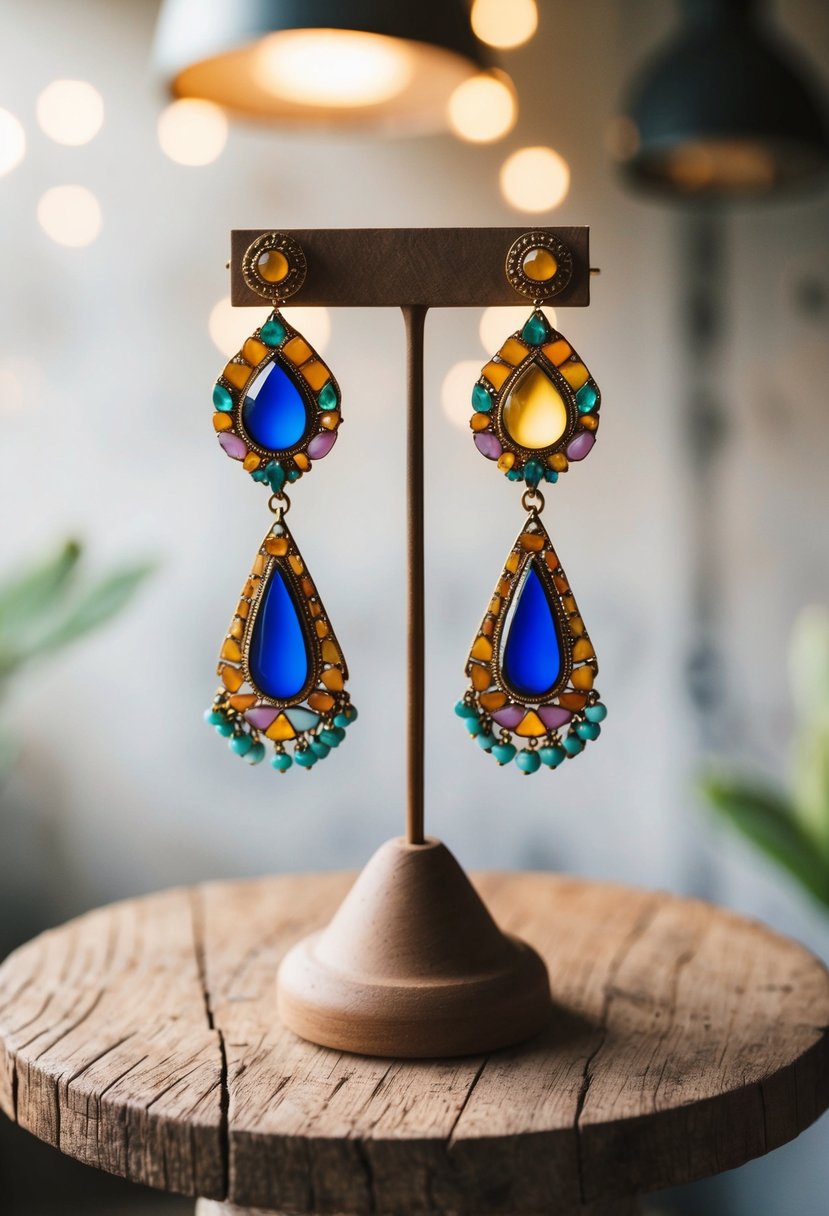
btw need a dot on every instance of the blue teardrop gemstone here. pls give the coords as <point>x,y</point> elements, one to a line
<point>274,413</point>
<point>278,657</point>
<point>532,653</point>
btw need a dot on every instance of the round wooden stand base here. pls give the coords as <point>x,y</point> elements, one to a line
<point>412,965</point>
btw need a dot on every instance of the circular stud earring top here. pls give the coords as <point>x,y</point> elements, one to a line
<point>274,266</point>
<point>539,265</point>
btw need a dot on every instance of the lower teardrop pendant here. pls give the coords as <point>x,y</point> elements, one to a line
<point>282,671</point>
<point>532,666</point>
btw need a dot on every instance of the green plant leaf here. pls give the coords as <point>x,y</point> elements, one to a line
<point>810,782</point>
<point>99,604</point>
<point>35,591</point>
<point>767,819</point>
<point>809,665</point>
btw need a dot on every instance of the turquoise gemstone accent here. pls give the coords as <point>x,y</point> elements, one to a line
<point>481,399</point>
<point>222,399</point>
<point>274,412</point>
<point>272,332</point>
<point>486,741</point>
<point>302,719</point>
<point>240,745</point>
<point>473,725</point>
<point>588,730</point>
<point>275,475</point>
<point>214,717</point>
<point>305,758</point>
<point>224,729</point>
<point>294,475</point>
<point>596,713</point>
<point>535,330</point>
<point>320,749</point>
<point>552,756</point>
<point>281,761</point>
<point>503,752</point>
<point>464,710</point>
<point>339,732</point>
<point>551,475</point>
<point>573,745</point>
<point>330,737</point>
<point>515,475</point>
<point>256,754</point>
<point>527,761</point>
<point>351,713</point>
<point>279,659</point>
<point>259,475</point>
<point>533,472</point>
<point>327,398</point>
<point>532,652</point>
<point>586,398</point>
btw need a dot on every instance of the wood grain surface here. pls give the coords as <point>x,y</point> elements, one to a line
<point>397,267</point>
<point>141,1039</point>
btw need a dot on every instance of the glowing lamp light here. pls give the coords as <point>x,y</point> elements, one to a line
<point>456,391</point>
<point>504,24</point>
<point>483,108</point>
<point>70,215</point>
<point>192,132</point>
<point>12,142</point>
<point>340,68</point>
<point>535,179</point>
<point>70,112</point>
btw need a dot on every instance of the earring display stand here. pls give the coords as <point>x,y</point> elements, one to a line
<point>412,964</point>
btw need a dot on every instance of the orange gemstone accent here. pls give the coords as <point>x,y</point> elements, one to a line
<point>250,586</point>
<point>551,559</point>
<point>307,586</point>
<point>531,541</point>
<point>277,546</point>
<point>322,627</point>
<point>505,461</point>
<point>558,461</point>
<point>330,652</point>
<point>330,420</point>
<point>237,629</point>
<point>243,609</point>
<point>478,421</point>
<point>297,350</point>
<point>232,678</point>
<point>512,563</point>
<point>569,603</point>
<point>237,374</point>
<point>488,626</point>
<point>316,374</point>
<point>280,730</point>
<point>243,701</point>
<point>503,586</point>
<point>315,609</point>
<point>492,700</point>
<point>590,421</point>
<point>583,650</point>
<point>251,462</point>
<point>259,564</point>
<point>496,373</point>
<point>572,700</point>
<point>480,677</point>
<point>333,679</point>
<point>557,351</point>
<point>321,702</point>
<point>513,351</point>
<point>295,562</point>
<point>222,421</point>
<point>576,626</point>
<point>495,605</point>
<point>531,726</point>
<point>583,678</point>
<point>230,650</point>
<point>273,266</point>
<point>254,351</point>
<point>482,649</point>
<point>561,583</point>
<point>576,374</point>
<point>302,462</point>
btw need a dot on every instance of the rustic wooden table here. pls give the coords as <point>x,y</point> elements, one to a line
<point>141,1039</point>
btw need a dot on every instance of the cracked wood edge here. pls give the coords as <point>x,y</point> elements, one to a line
<point>143,1039</point>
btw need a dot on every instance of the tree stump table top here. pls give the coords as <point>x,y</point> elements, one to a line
<point>141,1039</point>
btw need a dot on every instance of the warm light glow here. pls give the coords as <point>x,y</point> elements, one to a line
<point>229,327</point>
<point>535,179</point>
<point>70,215</point>
<point>504,23</point>
<point>70,112</point>
<point>502,320</point>
<point>482,108</point>
<point>192,132</point>
<point>720,165</point>
<point>12,142</point>
<point>332,67</point>
<point>456,392</point>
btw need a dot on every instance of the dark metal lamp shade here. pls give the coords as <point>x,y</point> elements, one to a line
<point>374,63</point>
<point>724,111</point>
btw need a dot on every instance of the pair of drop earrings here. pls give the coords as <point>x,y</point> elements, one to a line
<point>532,667</point>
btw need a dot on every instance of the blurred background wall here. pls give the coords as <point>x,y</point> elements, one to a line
<point>106,366</point>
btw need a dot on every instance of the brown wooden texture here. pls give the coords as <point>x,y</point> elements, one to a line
<point>141,1038</point>
<point>397,267</point>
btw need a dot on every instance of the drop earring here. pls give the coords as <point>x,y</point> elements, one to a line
<point>277,411</point>
<point>532,665</point>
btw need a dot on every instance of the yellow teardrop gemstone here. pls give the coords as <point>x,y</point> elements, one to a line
<point>535,415</point>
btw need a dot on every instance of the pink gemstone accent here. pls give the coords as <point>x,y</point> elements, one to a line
<point>578,448</point>
<point>509,716</point>
<point>488,444</point>
<point>321,444</point>
<point>554,716</point>
<point>233,445</point>
<point>261,716</point>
